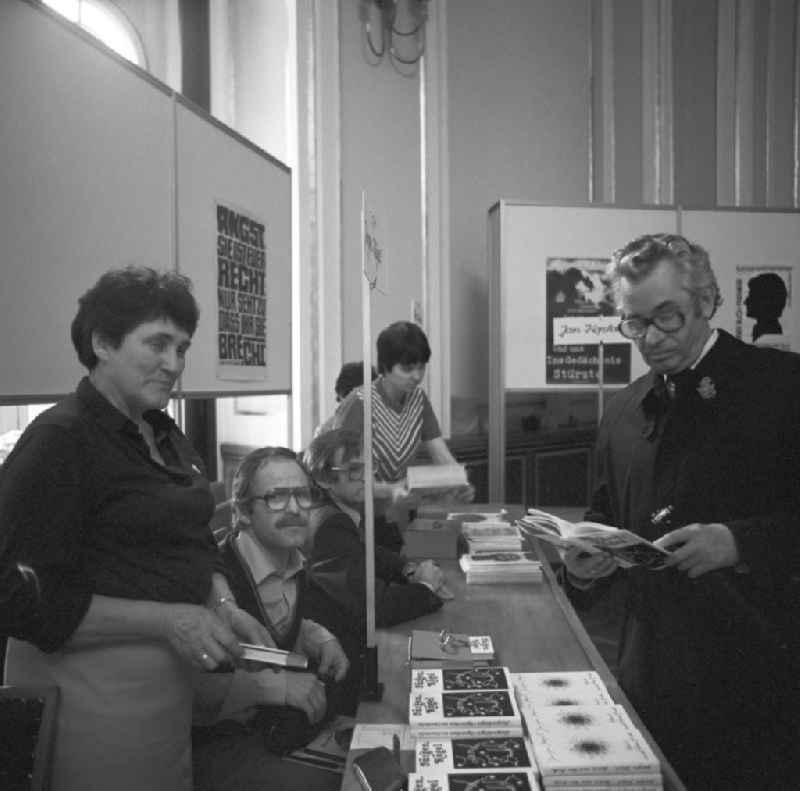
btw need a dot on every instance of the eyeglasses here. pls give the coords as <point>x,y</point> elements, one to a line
<point>278,499</point>
<point>636,328</point>
<point>355,471</point>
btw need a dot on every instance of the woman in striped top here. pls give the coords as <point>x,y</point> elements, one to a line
<point>402,416</point>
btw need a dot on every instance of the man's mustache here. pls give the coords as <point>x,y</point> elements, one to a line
<point>291,521</point>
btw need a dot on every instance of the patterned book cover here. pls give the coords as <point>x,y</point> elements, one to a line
<point>464,713</point>
<point>572,688</point>
<point>458,679</point>
<point>468,754</point>
<point>500,780</point>
<point>588,740</point>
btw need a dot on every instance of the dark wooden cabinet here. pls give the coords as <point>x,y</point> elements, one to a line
<point>541,469</point>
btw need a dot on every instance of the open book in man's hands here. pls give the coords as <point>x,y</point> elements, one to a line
<point>627,548</point>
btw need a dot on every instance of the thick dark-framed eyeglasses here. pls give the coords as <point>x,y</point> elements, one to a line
<point>355,470</point>
<point>278,499</point>
<point>636,327</point>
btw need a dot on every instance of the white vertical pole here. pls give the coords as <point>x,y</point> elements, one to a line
<point>367,284</point>
<point>600,381</point>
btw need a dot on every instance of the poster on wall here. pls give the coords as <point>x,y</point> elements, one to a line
<point>241,253</point>
<point>581,314</point>
<point>764,305</point>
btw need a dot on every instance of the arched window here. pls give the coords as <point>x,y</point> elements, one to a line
<point>104,21</point>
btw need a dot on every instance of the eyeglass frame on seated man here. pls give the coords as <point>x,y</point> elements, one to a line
<point>656,320</point>
<point>354,469</point>
<point>304,496</point>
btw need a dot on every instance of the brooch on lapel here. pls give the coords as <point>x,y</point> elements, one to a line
<point>706,388</point>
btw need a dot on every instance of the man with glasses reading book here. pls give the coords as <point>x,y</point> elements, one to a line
<point>272,498</point>
<point>702,456</point>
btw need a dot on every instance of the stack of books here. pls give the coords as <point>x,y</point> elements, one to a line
<point>580,738</point>
<point>484,568</point>
<point>481,762</point>
<point>580,747</point>
<point>491,537</point>
<point>427,649</point>
<point>466,702</point>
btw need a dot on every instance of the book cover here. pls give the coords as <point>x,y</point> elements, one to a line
<point>497,780</point>
<point>501,557</point>
<point>578,741</point>
<point>485,752</point>
<point>459,679</point>
<point>476,517</point>
<point>570,688</point>
<point>447,646</point>
<point>459,713</point>
<point>626,547</point>
<point>608,781</point>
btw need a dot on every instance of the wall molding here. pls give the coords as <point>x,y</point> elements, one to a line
<point>435,204</point>
<point>658,139</point>
<point>317,288</point>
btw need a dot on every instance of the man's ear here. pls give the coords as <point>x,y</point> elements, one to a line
<point>241,514</point>
<point>705,300</point>
<point>100,346</point>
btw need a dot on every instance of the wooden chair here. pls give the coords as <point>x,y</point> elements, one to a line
<point>27,734</point>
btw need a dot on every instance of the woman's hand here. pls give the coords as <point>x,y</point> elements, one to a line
<point>242,624</point>
<point>199,636</point>
<point>305,691</point>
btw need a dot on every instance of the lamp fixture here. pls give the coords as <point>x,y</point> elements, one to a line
<point>390,22</point>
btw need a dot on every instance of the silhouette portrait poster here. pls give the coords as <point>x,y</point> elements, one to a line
<point>763,305</point>
<point>580,314</point>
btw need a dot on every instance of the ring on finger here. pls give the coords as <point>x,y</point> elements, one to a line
<point>204,657</point>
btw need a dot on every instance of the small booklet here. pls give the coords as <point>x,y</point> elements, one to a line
<point>626,547</point>
<point>469,713</point>
<point>273,656</point>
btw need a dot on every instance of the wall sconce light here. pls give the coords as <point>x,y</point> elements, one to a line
<point>387,23</point>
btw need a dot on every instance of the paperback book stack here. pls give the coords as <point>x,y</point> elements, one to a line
<point>471,763</point>
<point>580,738</point>
<point>468,702</point>
<point>491,537</point>
<point>486,568</point>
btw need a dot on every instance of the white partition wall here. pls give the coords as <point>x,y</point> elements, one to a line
<point>103,166</point>
<point>85,158</point>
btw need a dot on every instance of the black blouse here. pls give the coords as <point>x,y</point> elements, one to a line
<point>87,510</point>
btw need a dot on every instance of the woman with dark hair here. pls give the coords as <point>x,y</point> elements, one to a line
<point>110,580</point>
<point>402,416</point>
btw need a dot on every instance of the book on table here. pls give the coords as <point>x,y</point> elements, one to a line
<point>627,548</point>
<point>500,779</point>
<point>459,679</point>
<point>458,703</point>
<point>588,741</point>
<point>471,753</point>
<point>492,536</point>
<point>446,649</point>
<point>500,567</point>
<point>565,688</point>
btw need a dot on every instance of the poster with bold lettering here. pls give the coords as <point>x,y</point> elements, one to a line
<point>580,314</point>
<point>241,295</point>
<point>764,305</point>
